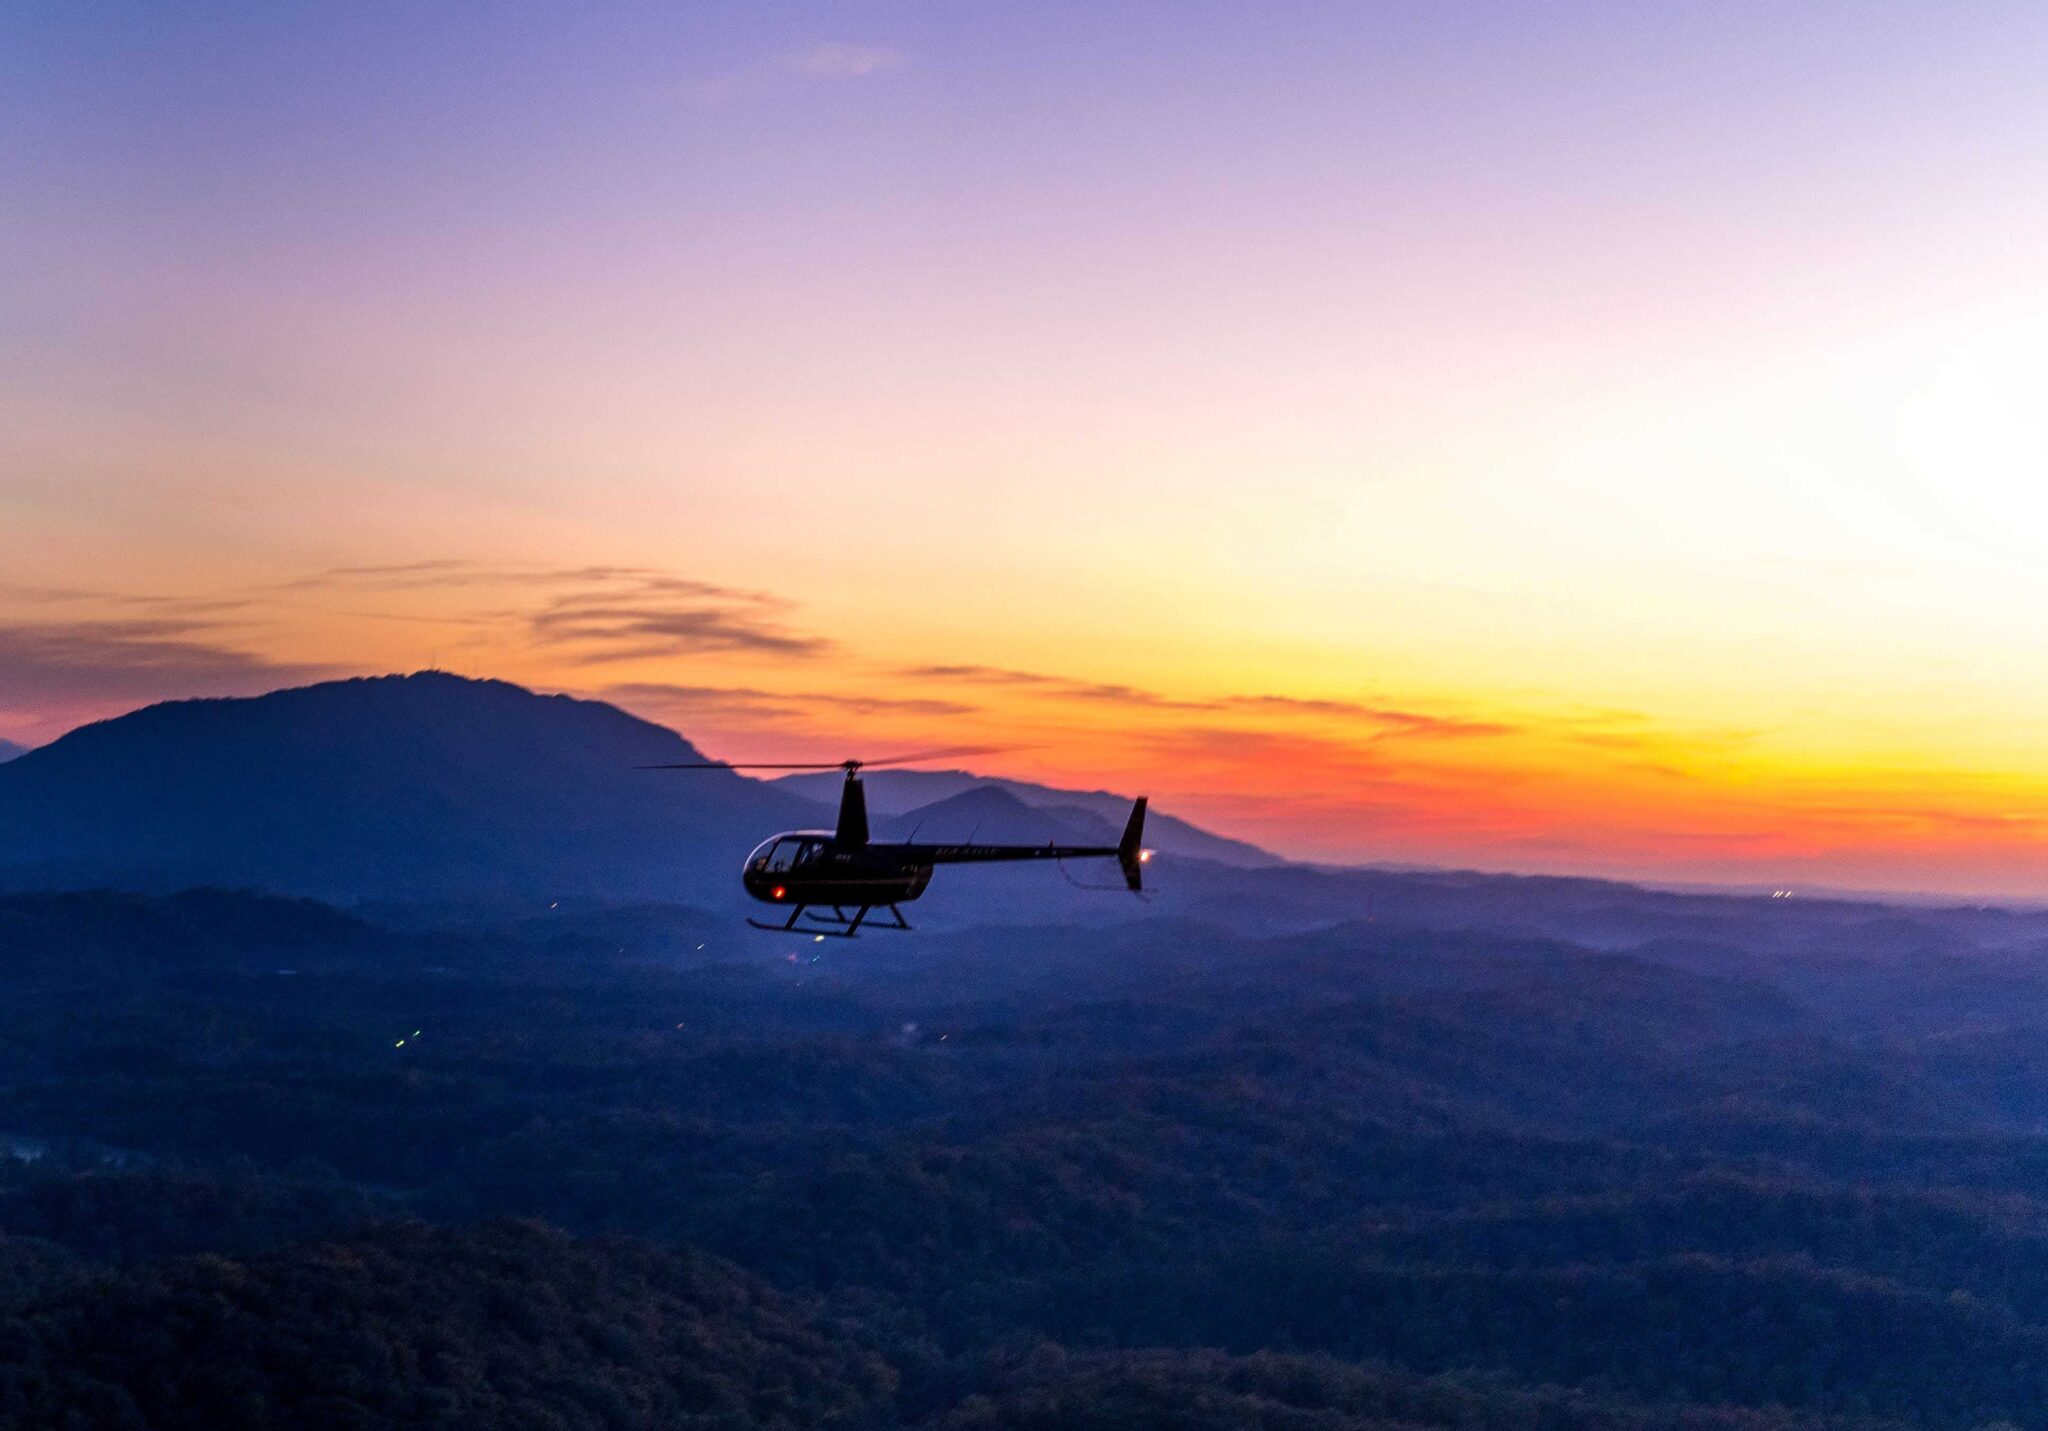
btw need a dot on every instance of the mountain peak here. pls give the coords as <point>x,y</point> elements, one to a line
<point>984,812</point>
<point>382,786</point>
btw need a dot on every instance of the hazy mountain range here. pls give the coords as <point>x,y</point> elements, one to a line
<point>928,798</point>
<point>433,787</point>
<point>9,750</point>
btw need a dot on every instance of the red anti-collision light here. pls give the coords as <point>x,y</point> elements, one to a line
<point>779,891</point>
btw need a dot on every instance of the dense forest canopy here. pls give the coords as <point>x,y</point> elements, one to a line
<point>269,1162</point>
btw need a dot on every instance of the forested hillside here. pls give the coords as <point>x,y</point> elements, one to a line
<point>1155,1175</point>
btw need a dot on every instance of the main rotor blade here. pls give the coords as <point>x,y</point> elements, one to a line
<point>745,765</point>
<point>949,753</point>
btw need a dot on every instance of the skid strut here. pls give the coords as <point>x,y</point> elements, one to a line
<point>860,917</point>
<point>851,926</point>
<point>794,915</point>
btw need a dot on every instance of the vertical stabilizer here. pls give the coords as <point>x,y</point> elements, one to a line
<point>1130,851</point>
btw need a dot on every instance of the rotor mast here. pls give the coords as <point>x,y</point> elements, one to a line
<point>852,829</point>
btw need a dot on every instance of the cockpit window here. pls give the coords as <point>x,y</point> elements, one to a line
<point>788,854</point>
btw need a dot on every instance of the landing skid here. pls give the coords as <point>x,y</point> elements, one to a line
<point>837,916</point>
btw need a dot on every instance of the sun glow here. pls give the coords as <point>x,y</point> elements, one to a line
<point>1976,439</point>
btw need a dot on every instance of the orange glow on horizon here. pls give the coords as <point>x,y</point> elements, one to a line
<point>1415,776</point>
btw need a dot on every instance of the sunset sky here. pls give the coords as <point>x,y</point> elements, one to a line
<point>1595,437</point>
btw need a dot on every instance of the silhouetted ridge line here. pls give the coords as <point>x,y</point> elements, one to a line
<point>380,787</point>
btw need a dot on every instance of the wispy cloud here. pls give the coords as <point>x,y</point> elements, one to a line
<point>751,702</point>
<point>67,666</point>
<point>74,654</point>
<point>1388,721</point>
<point>650,622</point>
<point>1059,687</point>
<point>834,57</point>
<point>153,603</point>
<point>460,572</point>
<point>1394,720</point>
<point>823,59</point>
<point>596,614</point>
<point>981,675</point>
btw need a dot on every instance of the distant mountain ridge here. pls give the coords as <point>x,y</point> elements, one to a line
<point>9,750</point>
<point>992,815</point>
<point>1092,816</point>
<point>428,785</point>
<point>433,788</point>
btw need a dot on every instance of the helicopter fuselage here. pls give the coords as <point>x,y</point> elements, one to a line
<point>812,867</point>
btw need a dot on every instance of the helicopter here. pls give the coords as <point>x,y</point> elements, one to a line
<point>809,871</point>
